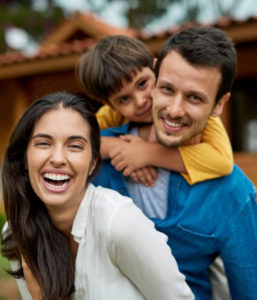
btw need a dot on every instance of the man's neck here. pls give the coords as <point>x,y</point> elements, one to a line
<point>147,132</point>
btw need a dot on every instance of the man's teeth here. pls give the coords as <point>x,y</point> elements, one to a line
<point>56,177</point>
<point>172,124</point>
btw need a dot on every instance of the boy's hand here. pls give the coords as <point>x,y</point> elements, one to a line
<point>31,282</point>
<point>146,176</point>
<point>130,156</point>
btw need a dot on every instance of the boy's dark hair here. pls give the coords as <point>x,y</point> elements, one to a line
<point>207,47</point>
<point>103,69</point>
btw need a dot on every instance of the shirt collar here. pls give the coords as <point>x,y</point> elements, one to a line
<point>80,220</point>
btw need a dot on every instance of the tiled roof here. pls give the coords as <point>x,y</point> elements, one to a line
<point>224,23</point>
<point>61,41</point>
<point>76,46</point>
<point>49,50</point>
<point>87,22</point>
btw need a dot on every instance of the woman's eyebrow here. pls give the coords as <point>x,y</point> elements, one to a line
<point>78,137</point>
<point>42,135</point>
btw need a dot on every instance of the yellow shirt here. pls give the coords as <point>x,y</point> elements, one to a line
<point>211,158</point>
<point>107,117</point>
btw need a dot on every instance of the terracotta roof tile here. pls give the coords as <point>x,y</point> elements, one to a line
<point>76,46</point>
<point>223,22</point>
<point>79,46</point>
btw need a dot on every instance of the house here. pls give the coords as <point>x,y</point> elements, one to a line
<point>24,78</point>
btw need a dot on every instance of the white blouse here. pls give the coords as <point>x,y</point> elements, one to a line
<point>120,254</point>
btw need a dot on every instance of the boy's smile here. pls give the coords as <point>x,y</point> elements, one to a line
<point>134,101</point>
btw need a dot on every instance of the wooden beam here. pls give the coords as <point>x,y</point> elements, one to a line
<point>39,66</point>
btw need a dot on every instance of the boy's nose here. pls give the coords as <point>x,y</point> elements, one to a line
<point>141,100</point>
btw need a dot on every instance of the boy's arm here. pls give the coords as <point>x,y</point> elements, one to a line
<point>145,175</point>
<point>138,153</point>
<point>211,158</point>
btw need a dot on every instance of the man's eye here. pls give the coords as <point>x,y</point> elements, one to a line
<point>195,98</point>
<point>166,89</point>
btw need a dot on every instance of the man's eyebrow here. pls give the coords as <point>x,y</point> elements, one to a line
<point>166,82</point>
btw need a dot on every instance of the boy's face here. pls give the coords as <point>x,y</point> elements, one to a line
<point>134,100</point>
<point>183,100</point>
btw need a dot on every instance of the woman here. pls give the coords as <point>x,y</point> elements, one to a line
<point>78,241</point>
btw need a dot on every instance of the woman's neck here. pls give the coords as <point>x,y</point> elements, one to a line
<point>63,218</point>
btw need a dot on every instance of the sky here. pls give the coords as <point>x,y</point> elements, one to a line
<point>114,15</point>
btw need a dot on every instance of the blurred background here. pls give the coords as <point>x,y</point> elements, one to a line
<point>41,41</point>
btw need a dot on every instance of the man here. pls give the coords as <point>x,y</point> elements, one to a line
<point>195,72</point>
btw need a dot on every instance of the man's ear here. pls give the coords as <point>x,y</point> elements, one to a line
<point>218,109</point>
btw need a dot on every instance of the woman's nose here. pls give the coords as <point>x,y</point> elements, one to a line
<point>58,156</point>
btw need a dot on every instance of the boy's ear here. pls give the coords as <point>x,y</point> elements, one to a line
<point>218,109</point>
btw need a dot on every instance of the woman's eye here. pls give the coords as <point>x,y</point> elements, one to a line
<point>41,144</point>
<point>76,147</point>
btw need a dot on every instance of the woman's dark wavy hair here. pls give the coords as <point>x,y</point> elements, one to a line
<point>31,232</point>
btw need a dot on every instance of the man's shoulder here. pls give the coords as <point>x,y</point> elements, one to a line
<point>234,185</point>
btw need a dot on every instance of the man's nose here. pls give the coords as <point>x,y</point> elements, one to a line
<point>176,107</point>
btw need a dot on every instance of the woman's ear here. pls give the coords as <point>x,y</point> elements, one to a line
<point>92,166</point>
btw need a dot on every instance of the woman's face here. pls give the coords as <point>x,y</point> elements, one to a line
<point>59,158</point>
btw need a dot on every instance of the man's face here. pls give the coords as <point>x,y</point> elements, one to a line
<point>134,100</point>
<point>183,100</point>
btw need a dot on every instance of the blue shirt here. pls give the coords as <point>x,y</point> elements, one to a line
<point>211,218</point>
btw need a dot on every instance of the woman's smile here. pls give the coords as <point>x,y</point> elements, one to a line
<point>59,158</point>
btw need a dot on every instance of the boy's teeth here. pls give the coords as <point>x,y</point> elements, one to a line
<point>57,177</point>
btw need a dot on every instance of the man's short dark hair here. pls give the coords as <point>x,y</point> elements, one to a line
<point>207,47</point>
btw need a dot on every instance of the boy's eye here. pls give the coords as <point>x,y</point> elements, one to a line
<point>123,100</point>
<point>142,83</point>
